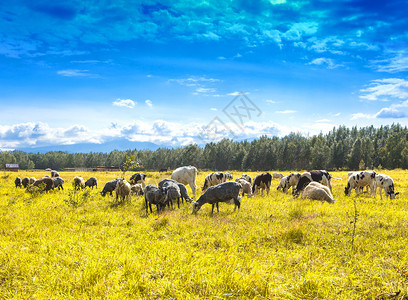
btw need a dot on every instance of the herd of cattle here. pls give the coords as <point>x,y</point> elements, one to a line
<point>315,185</point>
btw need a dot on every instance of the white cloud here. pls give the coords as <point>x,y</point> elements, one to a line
<point>323,121</point>
<point>149,103</point>
<point>193,81</point>
<point>357,116</point>
<point>272,101</point>
<point>386,89</point>
<point>285,111</point>
<point>76,73</point>
<point>124,103</point>
<point>237,93</point>
<point>205,90</point>
<point>395,62</point>
<point>328,62</point>
<point>213,108</point>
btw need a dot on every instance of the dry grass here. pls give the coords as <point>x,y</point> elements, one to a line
<point>78,245</point>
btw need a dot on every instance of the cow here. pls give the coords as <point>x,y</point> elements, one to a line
<point>186,175</point>
<point>288,181</point>
<point>262,182</point>
<point>386,183</point>
<point>163,170</point>
<point>138,178</point>
<point>321,176</point>
<point>359,180</point>
<point>214,179</point>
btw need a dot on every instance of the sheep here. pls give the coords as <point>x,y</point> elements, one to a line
<point>182,187</point>
<point>54,173</point>
<point>247,178</point>
<point>17,182</point>
<point>123,189</point>
<point>25,182</point>
<point>92,182</point>
<point>58,182</point>
<point>317,191</point>
<point>44,184</point>
<point>79,183</point>
<point>223,192</point>
<point>173,193</point>
<point>137,189</point>
<point>246,187</point>
<point>288,181</point>
<point>276,175</point>
<point>156,196</point>
<point>109,187</point>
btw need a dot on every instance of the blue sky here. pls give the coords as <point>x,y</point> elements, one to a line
<point>163,71</point>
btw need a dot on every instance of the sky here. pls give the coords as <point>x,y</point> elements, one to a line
<point>181,72</point>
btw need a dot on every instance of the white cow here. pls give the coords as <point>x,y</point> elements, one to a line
<point>186,175</point>
<point>385,182</point>
<point>359,180</point>
<point>288,181</point>
<point>317,191</point>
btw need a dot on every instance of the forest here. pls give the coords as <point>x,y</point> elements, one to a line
<point>340,149</point>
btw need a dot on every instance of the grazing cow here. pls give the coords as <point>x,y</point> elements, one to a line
<point>186,175</point>
<point>262,182</point>
<point>215,178</point>
<point>247,178</point>
<point>31,180</point>
<point>109,187</point>
<point>288,181</point>
<point>54,173</point>
<point>321,176</point>
<point>138,178</point>
<point>137,189</point>
<point>359,180</point>
<point>317,191</point>
<point>163,170</point>
<point>276,175</point>
<point>246,187</point>
<point>223,192</point>
<point>156,196</point>
<point>386,183</point>
<point>182,187</point>
<point>17,182</point>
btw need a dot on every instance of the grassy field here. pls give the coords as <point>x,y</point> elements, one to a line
<point>80,245</point>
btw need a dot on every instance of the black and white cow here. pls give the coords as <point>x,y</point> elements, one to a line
<point>262,182</point>
<point>288,181</point>
<point>138,178</point>
<point>213,179</point>
<point>321,176</point>
<point>386,183</point>
<point>358,180</point>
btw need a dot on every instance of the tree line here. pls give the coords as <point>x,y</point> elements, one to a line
<point>342,148</point>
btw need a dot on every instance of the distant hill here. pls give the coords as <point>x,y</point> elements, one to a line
<point>121,145</point>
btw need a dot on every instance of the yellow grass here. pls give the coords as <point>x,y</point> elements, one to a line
<point>66,245</point>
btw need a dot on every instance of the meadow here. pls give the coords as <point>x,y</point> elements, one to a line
<point>78,245</point>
